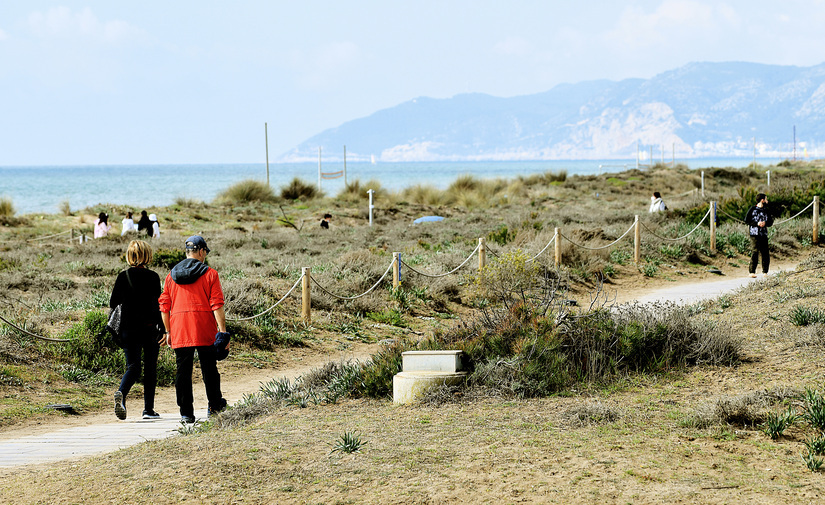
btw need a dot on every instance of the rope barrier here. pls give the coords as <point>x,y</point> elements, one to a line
<point>47,339</point>
<point>545,248</point>
<point>683,236</point>
<point>796,216</point>
<point>48,236</point>
<point>603,247</point>
<point>325,290</point>
<point>732,217</point>
<point>270,308</point>
<point>435,276</point>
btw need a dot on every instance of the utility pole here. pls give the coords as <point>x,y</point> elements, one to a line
<point>794,142</point>
<point>266,140</point>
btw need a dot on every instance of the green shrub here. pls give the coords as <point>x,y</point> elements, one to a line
<point>502,235</point>
<point>299,190</point>
<point>91,349</point>
<point>168,258</point>
<point>247,191</point>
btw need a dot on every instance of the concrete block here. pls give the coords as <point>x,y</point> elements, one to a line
<point>408,387</point>
<point>431,361</point>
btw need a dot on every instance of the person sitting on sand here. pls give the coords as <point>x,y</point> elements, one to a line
<point>325,221</point>
<point>128,224</point>
<point>656,203</point>
<point>155,229</point>
<point>102,225</point>
<point>144,224</point>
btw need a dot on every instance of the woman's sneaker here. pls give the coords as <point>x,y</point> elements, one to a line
<point>150,414</point>
<point>120,407</point>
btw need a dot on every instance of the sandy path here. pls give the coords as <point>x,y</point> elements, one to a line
<point>236,381</point>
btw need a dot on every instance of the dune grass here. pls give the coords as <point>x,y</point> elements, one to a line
<point>6,207</point>
<point>246,191</point>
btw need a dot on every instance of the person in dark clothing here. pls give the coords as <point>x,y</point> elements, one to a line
<point>325,221</point>
<point>759,219</point>
<point>145,224</point>
<point>137,290</point>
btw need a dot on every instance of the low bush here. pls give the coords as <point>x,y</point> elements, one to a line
<point>6,207</point>
<point>299,190</point>
<point>167,258</point>
<point>247,191</point>
<point>91,349</point>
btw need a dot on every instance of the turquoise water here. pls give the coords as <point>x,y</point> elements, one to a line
<point>42,189</point>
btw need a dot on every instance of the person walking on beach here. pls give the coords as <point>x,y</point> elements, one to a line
<point>191,307</point>
<point>656,203</point>
<point>759,219</point>
<point>145,223</point>
<point>102,225</point>
<point>128,224</point>
<point>137,290</point>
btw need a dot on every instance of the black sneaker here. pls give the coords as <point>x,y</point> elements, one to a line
<point>150,414</point>
<point>120,407</point>
<point>187,419</point>
<point>213,412</point>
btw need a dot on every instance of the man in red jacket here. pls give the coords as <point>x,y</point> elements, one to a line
<point>191,307</point>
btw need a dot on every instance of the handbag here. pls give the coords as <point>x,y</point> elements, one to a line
<point>114,326</point>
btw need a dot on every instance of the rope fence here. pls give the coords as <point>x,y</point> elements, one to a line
<point>306,279</point>
<point>678,238</point>
<point>602,247</point>
<point>27,332</point>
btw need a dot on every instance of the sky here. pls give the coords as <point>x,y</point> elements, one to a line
<point>160,82</point>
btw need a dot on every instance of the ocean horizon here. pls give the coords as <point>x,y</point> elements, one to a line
<point>42,189</point>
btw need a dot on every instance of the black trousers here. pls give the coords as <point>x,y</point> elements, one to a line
<point>184,358</point>
<point>759,245</point>
<point>141,342</point>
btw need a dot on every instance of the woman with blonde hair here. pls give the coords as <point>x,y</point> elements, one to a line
<point>137,290</point>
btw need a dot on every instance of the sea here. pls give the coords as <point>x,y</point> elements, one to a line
<point>43,189</point>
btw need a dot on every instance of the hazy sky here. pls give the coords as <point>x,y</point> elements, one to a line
<point>117,82</point>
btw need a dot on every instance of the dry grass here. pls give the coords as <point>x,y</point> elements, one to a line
<point>6,207</point>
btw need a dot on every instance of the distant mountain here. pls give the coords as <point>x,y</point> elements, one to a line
<point>701,109</point>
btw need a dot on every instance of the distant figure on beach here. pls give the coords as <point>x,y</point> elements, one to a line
<point>154,231</point>
<point>325,221</point>
<point>759,219</point>
<point>656,203</point>
<point>144,224</point>
<point>102,225</point>
<point>137,290</point>
<point>128,224</point>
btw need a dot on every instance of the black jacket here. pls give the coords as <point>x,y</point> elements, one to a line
<point>140,300</point>
<point>754,216</point>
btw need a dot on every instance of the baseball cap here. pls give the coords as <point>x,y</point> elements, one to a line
<point>196,242</point>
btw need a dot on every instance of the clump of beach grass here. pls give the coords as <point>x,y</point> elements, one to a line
<point>6,207</point>
<point>247,191</point>
<point>298,189</point>
<point>357,191</point>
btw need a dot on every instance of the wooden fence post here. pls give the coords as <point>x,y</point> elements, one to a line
<point>306,298</point>
<point>637,242</point>
<point>557,248</point>
<point>482,254</point>
<point>713,227</point>
<point>396,270</point>
<point>816,219</point>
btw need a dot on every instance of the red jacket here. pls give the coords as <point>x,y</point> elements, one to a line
<point>190,306</point>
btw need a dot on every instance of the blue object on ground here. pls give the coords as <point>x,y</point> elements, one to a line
<point>427,219</point>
